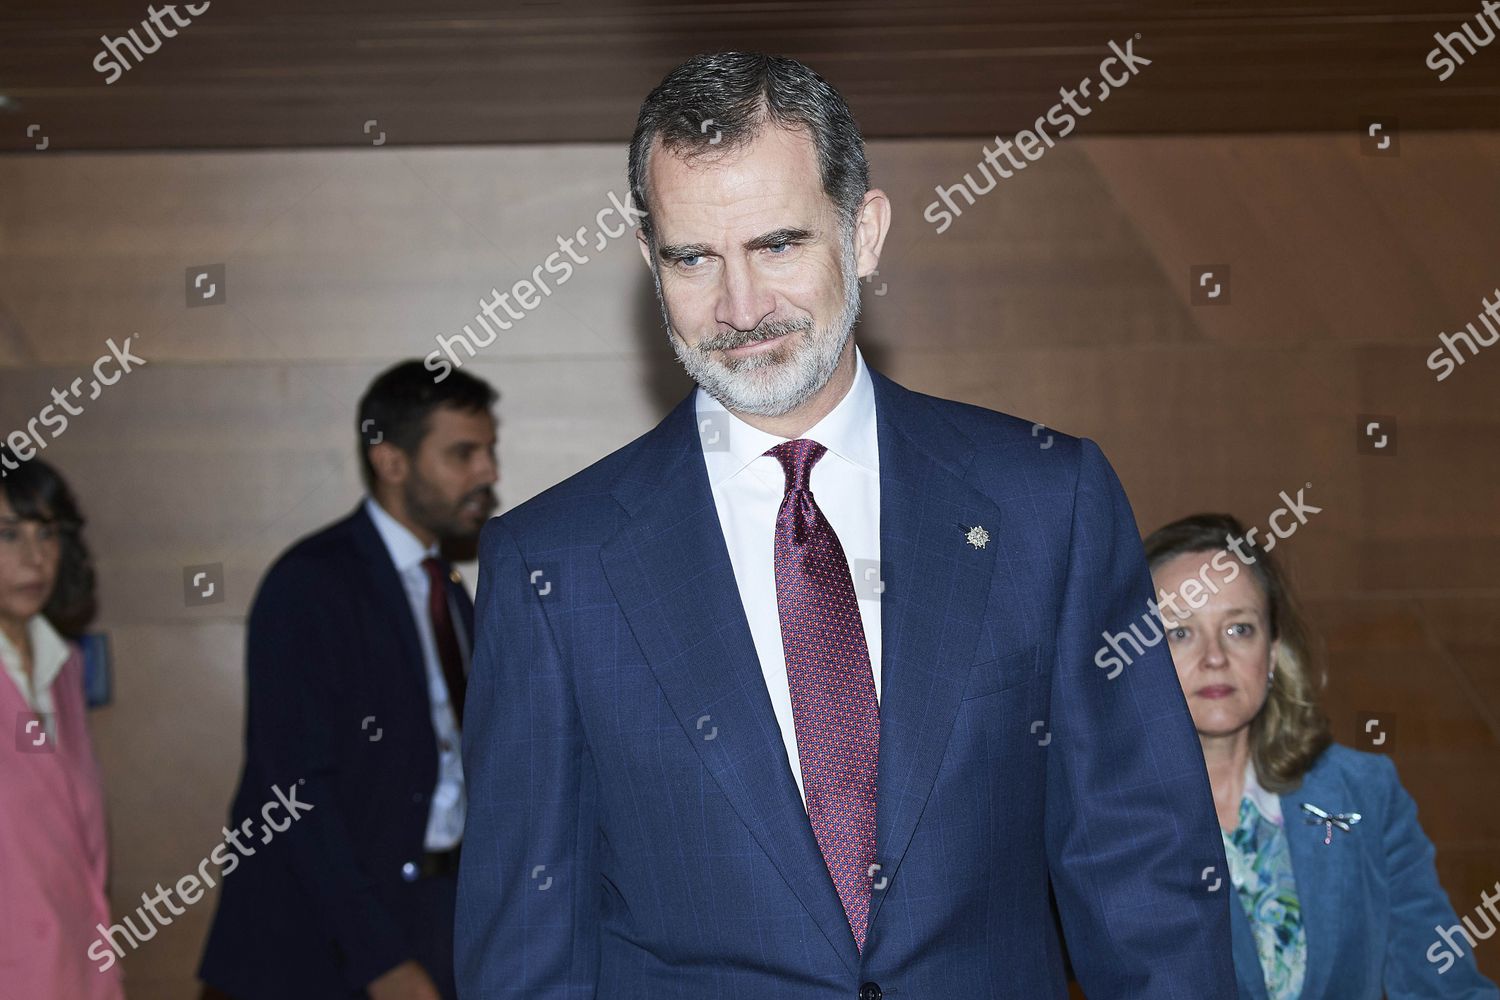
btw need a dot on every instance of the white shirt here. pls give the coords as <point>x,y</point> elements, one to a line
<point>445,818</point>
<point>48,654</point>
<point>748,487</point>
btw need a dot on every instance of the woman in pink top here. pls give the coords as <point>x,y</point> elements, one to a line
<point>53,859</point>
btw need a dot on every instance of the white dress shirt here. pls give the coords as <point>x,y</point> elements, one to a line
<point>48,654</point>
<point>748,487</point>
<point>445,818</point>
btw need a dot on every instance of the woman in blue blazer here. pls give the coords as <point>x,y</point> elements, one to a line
<point>1338,897</point>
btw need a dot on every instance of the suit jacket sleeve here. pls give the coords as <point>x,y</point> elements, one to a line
<point>291,658</point>
<point>1419,906</point>
<point>528,900</point>
<point>1130,821</point>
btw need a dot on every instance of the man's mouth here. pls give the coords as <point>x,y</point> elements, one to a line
<point>756,346</point>
<point>477,505</point>
<point>765,338</point>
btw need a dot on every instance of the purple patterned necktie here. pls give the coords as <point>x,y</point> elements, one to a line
<point>833,691</point>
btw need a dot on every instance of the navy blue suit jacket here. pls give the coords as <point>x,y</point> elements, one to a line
<point>1370,899</point>
<point>323,908</point>
<point>634,827</point>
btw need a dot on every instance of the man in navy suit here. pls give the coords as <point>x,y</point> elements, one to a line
<point>356,676</point>
<point>795,695</point>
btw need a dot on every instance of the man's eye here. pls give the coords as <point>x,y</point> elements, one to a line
<point>776,248</point>
<point>689,261</point>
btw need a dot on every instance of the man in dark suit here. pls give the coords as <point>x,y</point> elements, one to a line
<point>795,696</point>
<point>356,672</point>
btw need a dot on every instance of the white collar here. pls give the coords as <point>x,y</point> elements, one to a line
<point>406,549</point>
<point>848,430</point>
<point>1268,803</point>
<point>49,651</point>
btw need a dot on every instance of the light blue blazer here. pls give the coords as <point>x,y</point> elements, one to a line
<point>1371,902</point>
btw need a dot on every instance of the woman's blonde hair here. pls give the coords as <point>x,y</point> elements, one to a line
<point>1290,730</point>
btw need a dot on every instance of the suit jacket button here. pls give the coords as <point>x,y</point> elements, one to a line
<point>870,991</point>
<point>410,871</point>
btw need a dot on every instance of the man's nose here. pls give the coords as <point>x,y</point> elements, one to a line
<point>744,302</point>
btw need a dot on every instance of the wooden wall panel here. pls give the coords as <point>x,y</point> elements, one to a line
<point>1061,296</point>
<point>287,73</point>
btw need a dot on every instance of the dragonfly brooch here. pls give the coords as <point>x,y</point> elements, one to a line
<point>1344,821</point>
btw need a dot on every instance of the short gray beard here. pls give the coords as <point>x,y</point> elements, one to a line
<point>779,380</point>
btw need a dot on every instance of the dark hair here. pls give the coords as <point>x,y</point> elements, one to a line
<point>717,102</point>
<point>1290,731</point>
<point>36,492</point>
<point>396,405</point>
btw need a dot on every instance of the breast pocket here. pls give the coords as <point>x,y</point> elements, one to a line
<point>1004,672</point>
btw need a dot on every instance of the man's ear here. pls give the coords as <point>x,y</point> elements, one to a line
<point>870,227</point>
<point>392,465</point>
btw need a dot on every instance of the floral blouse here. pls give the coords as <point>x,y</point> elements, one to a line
<point>1260,866</point>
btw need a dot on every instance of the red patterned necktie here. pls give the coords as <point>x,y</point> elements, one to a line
<point>834,709</point>
<point>444,635</point>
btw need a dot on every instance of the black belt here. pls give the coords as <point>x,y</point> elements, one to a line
<point>435,863</point>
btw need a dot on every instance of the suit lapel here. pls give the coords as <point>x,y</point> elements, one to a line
<point>391,597</point>
<point>1320,870</point>
<point>670,573</point>
<point>936,586</point>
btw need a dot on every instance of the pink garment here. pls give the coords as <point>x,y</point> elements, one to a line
<point>53,850</point>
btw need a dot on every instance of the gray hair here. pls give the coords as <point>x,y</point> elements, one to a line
<point>721,101</point>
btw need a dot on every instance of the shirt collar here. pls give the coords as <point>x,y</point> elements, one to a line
<point>405,548</point>
<point>1268,804</point>
<point>848,430</point>
<point>49,651</point>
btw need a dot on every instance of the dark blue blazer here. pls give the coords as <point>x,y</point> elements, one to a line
<point>323,908</point>
<point>1370,898</point>
<point>635,832</point>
